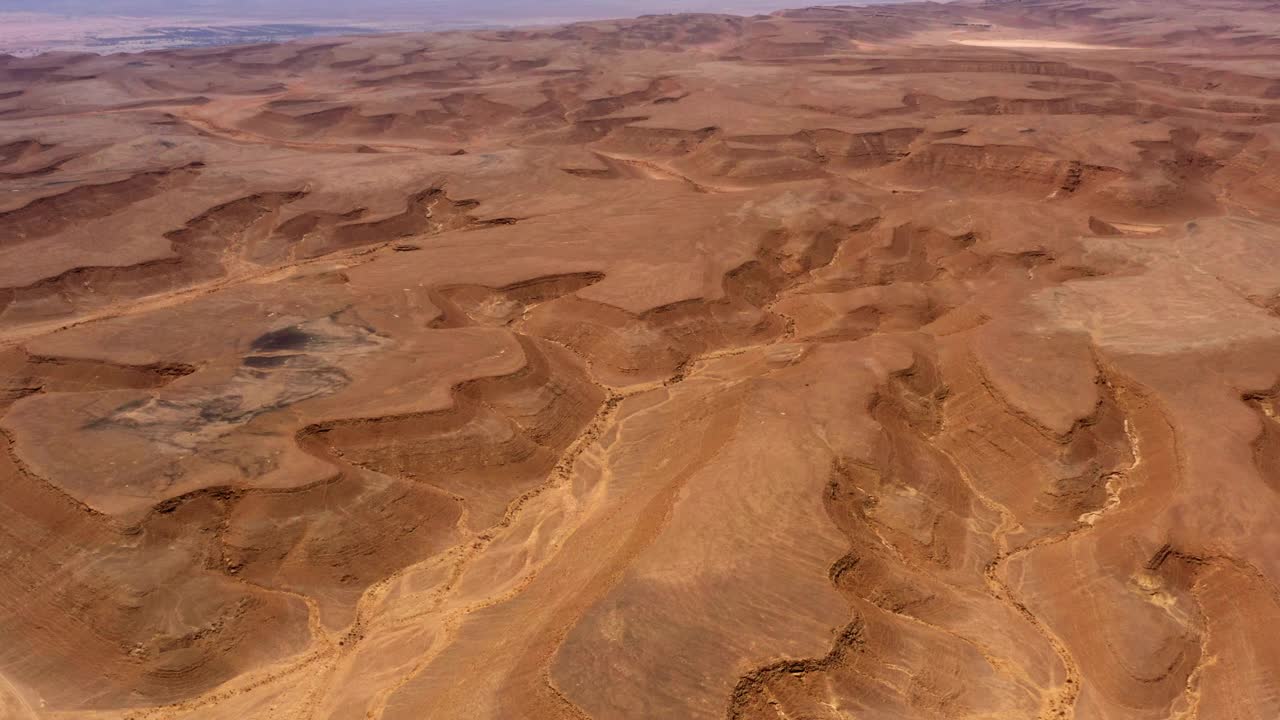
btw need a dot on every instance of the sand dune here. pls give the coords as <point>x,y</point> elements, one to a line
<point>908,361</point>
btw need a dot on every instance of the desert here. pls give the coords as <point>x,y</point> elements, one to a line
<point>910,361</point>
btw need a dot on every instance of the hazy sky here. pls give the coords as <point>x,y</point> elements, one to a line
<point>448,11</point>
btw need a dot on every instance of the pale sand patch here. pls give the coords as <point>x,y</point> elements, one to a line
<point>1033,43</point>
<point>1137,229</point>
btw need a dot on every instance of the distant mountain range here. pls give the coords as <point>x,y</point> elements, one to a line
<point>451,12</point>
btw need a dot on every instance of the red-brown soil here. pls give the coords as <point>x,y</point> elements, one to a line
<point>911,361</point>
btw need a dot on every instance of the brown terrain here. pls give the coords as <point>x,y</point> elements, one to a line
<point>913,361</point>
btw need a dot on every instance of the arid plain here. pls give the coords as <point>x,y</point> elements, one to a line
<point>912,361</point>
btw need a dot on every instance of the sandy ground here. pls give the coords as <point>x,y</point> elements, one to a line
<point>898,362</point>
<point>1034,43</point>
